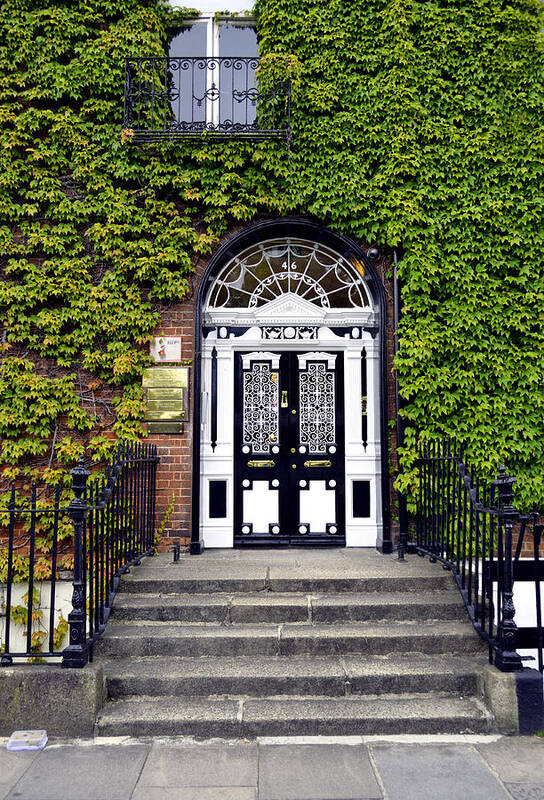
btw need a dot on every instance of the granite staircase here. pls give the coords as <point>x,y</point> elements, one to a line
<point>298,642</point>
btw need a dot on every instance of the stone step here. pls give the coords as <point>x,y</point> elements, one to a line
<point>302,716</point>
<point>374,646</point>
<point>216,578</point>
<point>295,607</point>
<point>263,676</point>
<point>175,639</point>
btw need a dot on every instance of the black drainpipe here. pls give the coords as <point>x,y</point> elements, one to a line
<point>403,511</point>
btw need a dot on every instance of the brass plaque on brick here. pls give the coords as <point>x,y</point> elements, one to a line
<point>169,377</point>
<point>165,427</point>
<point>166,397</point>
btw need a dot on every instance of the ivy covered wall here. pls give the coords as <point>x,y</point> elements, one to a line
<point>425,121</point>
<point>415,124</point>
<point>95,232</point>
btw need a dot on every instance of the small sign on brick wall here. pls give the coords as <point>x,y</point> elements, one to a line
<point>166,349</point>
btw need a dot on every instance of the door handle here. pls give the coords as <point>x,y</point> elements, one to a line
<point>284,402</point>
<point>261,464</point>
<point>324,463</point>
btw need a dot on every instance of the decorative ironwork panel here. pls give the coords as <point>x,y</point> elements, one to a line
<point>310,271</point>
<point>260,409</point>
<point>176,97</point>
<point>317,407</point>
<point>290,332</point>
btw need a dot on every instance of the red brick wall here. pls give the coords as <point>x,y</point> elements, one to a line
<point>174,476</point>
<point>175,451</point>
<point>527,548</point>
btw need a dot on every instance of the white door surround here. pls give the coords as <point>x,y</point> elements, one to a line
<point>285,295</point>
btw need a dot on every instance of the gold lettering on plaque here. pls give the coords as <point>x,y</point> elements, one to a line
<point>158,408</point>
<point>164,393</point>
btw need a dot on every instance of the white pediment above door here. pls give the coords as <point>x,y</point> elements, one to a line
<point>288,309</point>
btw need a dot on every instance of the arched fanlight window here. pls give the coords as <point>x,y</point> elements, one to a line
<point>311,271</point>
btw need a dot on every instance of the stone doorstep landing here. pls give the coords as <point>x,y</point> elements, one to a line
<point>298,571</point>
<point>295,642</point>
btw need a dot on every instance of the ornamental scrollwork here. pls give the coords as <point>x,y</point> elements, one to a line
<point>260,407</point>
<point>317,407</point>
<point>180,96</point>
<point>298,332</point>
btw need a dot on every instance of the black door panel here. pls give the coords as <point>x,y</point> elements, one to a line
<point>289,449</point>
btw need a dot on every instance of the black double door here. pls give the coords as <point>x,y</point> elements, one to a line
<point>289,471</point>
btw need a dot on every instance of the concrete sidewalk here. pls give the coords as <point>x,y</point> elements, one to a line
<point>354,768</point>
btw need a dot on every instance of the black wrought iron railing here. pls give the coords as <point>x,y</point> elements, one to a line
<point>472,527</point>
<point>107,527</point>
<point>174,97</point>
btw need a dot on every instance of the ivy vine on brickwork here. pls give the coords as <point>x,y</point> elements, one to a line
<point>417,124</point>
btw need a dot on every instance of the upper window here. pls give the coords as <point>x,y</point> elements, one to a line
<point>207,6</point>
<point>206,84</point>
<point>215,37</point>
<point>306,269</point>
<point>213,74</point>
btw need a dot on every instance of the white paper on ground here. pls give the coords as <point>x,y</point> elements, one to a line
<point>27,740</point>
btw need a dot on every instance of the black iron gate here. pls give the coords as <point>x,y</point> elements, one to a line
<point>473,528</point>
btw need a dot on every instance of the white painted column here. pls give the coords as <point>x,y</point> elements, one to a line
<point>218,464</point>
<point>362,464</point>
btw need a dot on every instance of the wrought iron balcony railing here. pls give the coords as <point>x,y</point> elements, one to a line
<point>174,97</point>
